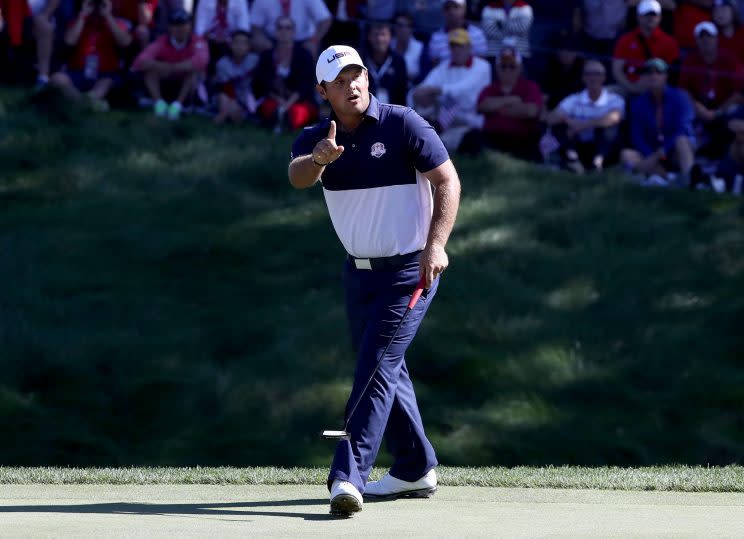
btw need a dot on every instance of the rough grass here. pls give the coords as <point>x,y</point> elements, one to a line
<point>167,300</point>
<point>659,478</point>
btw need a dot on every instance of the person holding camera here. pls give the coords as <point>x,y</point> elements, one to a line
<point>97,40</point>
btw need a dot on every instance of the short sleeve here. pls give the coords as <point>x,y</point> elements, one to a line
<point>423,143</point>
<point>306,141</point>
<point>567,104</point>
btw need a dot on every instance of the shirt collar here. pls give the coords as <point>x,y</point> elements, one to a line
<point>373,110</point>
<point>601,101</point>
<point>468,63</point>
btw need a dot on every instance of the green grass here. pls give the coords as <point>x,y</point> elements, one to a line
<point>658,478</point>
<point>166,299</point>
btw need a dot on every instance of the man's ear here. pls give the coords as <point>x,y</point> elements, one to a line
<point>321,91</point>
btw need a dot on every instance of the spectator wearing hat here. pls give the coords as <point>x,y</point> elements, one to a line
<point>454,18</point>
<point>388,78</point>
<point>507,19</point>
<point>97,40</point>
<point>730,32</point>
<point>600,23</point>
<point>448,95</point>
<point>413,51</point>
<point>634,48</point>
<point>512,106</point>
<point>587,123</point>
<point>687,15</point>
<point>563,71</point>
<point>173,65</point>
<point>216,20</point>
<point>661,124</point>
<point>283,84</point>
<point>234,78</point>
<point>311,19</point>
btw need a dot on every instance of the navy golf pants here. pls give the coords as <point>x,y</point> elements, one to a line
<point>375,304</point>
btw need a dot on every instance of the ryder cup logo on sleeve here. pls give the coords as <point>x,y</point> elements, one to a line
<point>333,60</point>
<point>378,150</point>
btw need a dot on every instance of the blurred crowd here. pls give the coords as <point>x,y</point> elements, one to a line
<point>655,86</point>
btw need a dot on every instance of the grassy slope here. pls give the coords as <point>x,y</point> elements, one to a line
<point>167,299</point>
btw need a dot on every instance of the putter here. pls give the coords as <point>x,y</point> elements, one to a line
<point>344,434</point>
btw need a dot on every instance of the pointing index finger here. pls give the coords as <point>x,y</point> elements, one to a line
<point>332,131</point>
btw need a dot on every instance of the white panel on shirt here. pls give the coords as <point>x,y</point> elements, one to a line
<point>382,221</point>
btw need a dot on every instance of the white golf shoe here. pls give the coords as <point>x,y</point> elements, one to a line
<point>390,488</point>
<point>345,499</point>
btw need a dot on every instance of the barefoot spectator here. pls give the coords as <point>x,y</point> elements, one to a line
<point>411,49</point>
<point>173,65</point>
<point>283,84</point>
<point>507,19</point>
<point>234,78</point>
<point>24,21</point>
<point>661,126</point>
<point>140,14</point>
<point>448,95</point>
<point>216,20</point>
<point>97,40</point>
<point>636,47</point>
<point>311,18</point>
<point>730,33</point>
<point>587,123</point>
<point>454,19</point>
<point>388,78</point>
<point>512,106</point>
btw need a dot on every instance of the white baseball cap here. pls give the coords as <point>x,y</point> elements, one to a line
<point>334,59</point>
<point>649,6</point>
<point>706,26</point>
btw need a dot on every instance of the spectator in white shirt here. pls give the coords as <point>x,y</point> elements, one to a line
<point>454,18</point>
<point>448,95</point>
<point>507,19</point>
<point>587,123</point>
<point>311,18</point>
<point>217,20</point>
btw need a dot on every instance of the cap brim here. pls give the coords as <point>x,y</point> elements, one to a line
<point>334,71</point>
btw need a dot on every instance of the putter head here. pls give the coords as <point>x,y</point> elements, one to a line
<point>335,435</point>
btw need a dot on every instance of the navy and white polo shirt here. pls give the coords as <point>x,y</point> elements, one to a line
<point>379,202</point>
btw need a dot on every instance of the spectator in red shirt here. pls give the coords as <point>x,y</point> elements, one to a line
<point>173,64</point>
<point>511,106</point>
<point>687,16</point>
<point>97,39</point>
<point>730,31</point>
<point>645,42</point>
<point>140,15</point>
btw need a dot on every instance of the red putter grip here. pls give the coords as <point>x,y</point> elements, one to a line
<point>417,293</point>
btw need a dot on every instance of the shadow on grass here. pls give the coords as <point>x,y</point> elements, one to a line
<point>179,509</point>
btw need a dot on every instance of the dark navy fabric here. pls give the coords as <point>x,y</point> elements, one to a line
<point>409,143</point>
<point>375,304</point>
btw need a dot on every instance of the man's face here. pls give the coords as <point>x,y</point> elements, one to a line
<point>284,29</point>
<point>707,44</point>
<point>649,22</point>
<point>655,79</point>
<point>459,54</point>
<point>379,38</point>
<point>403,28</point>
<point>240,45</point>
<point>454,14</point>
<point>180,32</point>
<point>594,77</point>
<point>348,94</point>
<point>508,71</point>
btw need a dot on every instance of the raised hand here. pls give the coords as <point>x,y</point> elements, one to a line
<point>326,151</point>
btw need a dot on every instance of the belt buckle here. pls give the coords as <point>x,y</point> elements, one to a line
<point>363,263</point>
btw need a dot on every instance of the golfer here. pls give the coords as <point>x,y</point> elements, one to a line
<point>377,164</point>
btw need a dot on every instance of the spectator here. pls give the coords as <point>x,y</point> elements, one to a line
<point>587,123</point>
<point>411,49</point>
<point>730,32</point>
<point>600,23</point>
<point>731,168</point>
<point>97,39</point>
<point>345,23</point>
<point>234,76</point>
<point>448,95</point>
<point>173,65</point>
<point>283,84</point>
<point>427,16</point>
<point>507,19</point>
<point>388,77</point>
<point>668,7</point>
<point>687,16</point>
<point>454,18</point>
<point>140,14</point>
<point>639,45</point>
<point>661,127</point>
<point>38,15</point>
<point>563,73</point>
<point>311,18</point>
<point>217,20</point>
<point>512,106</point>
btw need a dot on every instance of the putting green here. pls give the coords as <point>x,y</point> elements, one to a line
<point>290,510</point>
